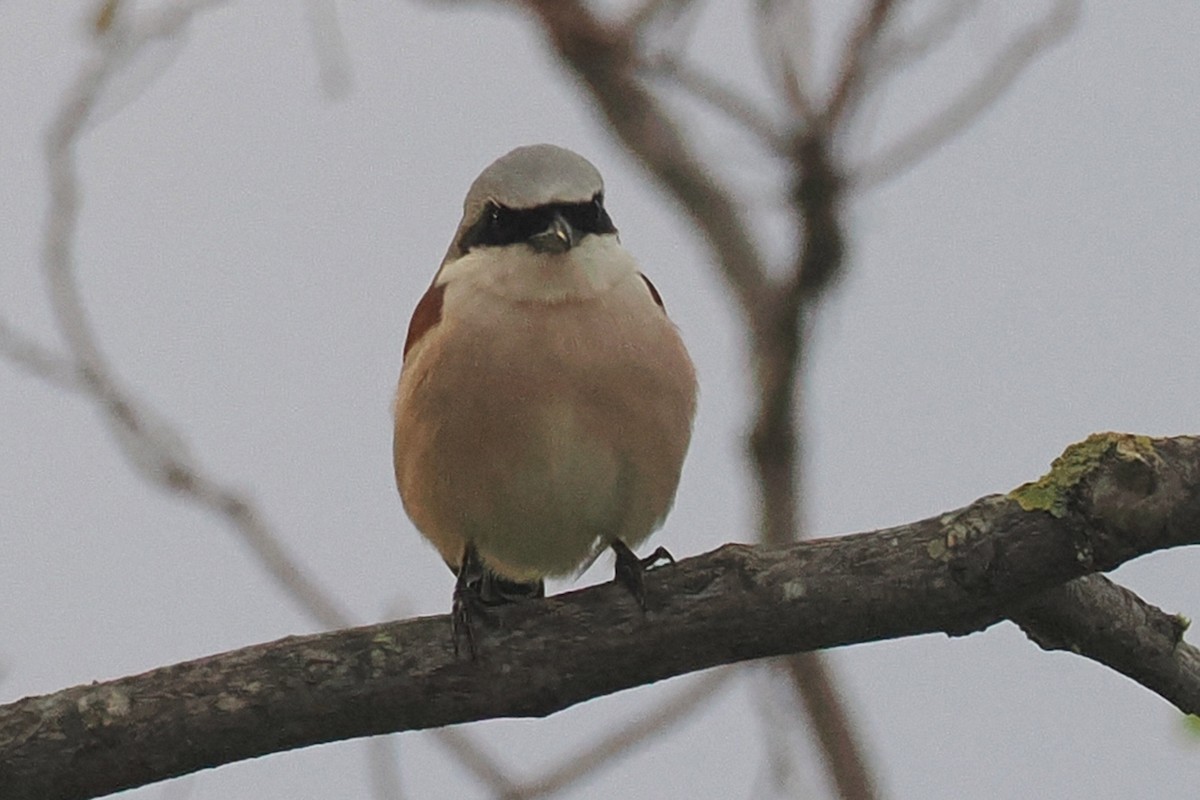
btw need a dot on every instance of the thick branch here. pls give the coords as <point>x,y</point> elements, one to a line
<point>1107,500</point>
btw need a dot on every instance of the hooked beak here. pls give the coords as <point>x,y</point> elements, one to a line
<point>559,237</point>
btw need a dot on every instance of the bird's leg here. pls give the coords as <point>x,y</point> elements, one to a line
<point>477,589</point>
<point>630,569</point>
<point>468,602</point>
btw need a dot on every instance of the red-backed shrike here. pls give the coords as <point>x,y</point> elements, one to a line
<point>546,401</point>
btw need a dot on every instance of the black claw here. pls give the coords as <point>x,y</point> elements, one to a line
<point>476,590</point>
<point>630,569</point>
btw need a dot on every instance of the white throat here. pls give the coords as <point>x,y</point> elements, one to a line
<point>518,273</point>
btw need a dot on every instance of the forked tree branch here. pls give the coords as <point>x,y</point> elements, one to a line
<point>1024,556</point>
<point>1094,617</point>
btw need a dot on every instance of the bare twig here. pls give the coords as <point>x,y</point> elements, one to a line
<point>329,46</point>
<point>383,773</point>
<point>785,52</point>
<point>780,773</point>
<point>895,52</point>
<point>724,99</point>
<point>581,764</point>
<point>994,81</point>
<point>856,64</point>
<point>475,760</point>
<point>36,358</point>
<point>151,444</point>
<point>814,686</point>
<point>649,11</point>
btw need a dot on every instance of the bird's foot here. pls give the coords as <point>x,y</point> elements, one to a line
<point>478,589</point>
<point>630,569</point>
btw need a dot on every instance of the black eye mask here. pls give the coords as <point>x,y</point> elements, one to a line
<point>499,226</point>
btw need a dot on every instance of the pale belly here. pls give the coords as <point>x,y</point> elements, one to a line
<point>543,445</point>
<point>560,494</point>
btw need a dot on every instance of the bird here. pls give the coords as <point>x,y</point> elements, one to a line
<point>546,401</point>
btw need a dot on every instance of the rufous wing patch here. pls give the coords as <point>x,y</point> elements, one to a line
<point>654,292</point>
<point>427,314</point>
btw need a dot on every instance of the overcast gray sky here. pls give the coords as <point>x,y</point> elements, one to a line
<point>250,252</point>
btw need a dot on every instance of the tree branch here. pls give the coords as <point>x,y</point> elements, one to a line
<point>995,79</point>
<point>724,99</point>
<point>38,359</point>
<point>1106,500</point>
<point>152,445</point>
<point>853,76</point>
<point>1094,617</point>
<point>605,58</point>
<point>902,50</point>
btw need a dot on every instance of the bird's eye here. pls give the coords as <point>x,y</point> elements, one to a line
<point>504,225</point>
<point>496,218</point>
